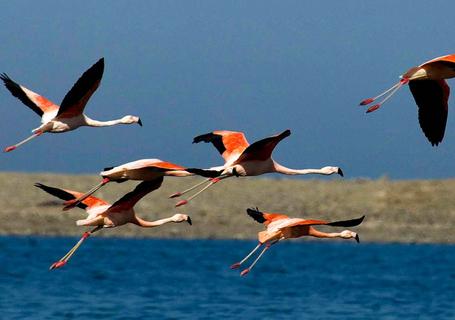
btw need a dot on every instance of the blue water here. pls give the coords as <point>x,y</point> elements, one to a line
<point>181,279</point>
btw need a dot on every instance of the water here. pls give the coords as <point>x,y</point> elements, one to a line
<point>181,279</point>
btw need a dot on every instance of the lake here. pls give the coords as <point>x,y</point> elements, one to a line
<point>112,278</point>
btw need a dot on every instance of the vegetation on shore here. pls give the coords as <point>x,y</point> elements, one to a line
<point>396,211</point>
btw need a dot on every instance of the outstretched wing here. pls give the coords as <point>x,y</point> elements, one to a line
<point>431,96</point>
<point>39,104</point>
<point>262,150</point>
<point>343,223</point>
<point>74,102</point>
<point>230,144</point>
<point>66,195</point>
<point>264,218</point>
<point>448,60</point>
<point>131,198</point>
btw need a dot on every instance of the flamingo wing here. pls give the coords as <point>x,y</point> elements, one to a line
<point>39,104</point>
<point>431,96</point>
<point>131,198</point>
<point>262,150</point>
<point>66,195</point>
<point>265,218</point>
<point>303,222</point>
<point>230,144</point>
<point>448,60</point>
<point>74,102</point>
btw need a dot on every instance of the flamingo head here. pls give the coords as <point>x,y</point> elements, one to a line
<point>131,119</point>
<point>178,217</point>
<point>347,234</point>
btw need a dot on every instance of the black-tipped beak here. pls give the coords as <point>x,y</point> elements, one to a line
<point>189,221</point>
<point>357,238</point>
<point>139,122</point>
<point>340,172</point>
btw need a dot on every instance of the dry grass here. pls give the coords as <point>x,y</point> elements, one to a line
<point>399,211</point>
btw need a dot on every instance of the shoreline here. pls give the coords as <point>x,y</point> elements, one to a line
<point>397,211</point>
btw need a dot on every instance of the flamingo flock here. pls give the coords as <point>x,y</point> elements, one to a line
<point>241,159</point>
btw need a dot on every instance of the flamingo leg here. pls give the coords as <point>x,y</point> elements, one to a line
<point>34,135</point>
<point>211,183</point>
<point>60,263</point>
<point>238,264</point>
<point>244,272</point>
<point>178,194</point>
<point>388,93</point>
<point>73,203</point>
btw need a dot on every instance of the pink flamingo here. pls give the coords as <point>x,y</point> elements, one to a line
<point>103,215</point>
<point>280,227</point>
<point>431,94</point>
<point>69,115</point>
<point>242,159</point>
<point>144,170</point>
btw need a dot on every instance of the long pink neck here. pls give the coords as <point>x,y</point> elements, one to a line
<point>284,170</point>
<point>320,234</point>
<point>96,123</point>
<point>150,224</point>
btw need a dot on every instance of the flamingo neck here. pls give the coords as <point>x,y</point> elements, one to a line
<point>320,234</point>
<point>284,170</point>
<point>96,123</point>
<point>150,224</point>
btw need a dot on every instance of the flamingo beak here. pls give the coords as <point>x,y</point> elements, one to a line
<point>340,172</point>
<point>357,238</point>
<point>189,221</point>
<point>139,122</point>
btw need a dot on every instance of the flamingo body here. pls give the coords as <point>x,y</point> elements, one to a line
<point>69,115</point>
<point>101,214</point>
<point>244,159</point>
<point>280,227</point>
<point>428,86</point>
<point>143,169</point>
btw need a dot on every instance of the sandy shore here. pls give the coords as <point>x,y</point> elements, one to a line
<point>396,211</point>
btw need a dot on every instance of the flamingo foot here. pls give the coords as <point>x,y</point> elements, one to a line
<point>373,108</point>
<point>10,148</point>
<point>181,203</point>
<point>235,265</point>
<point>57,264</point>
<point>244,272</point>
<point>366,101</point>
<point>175,195</point>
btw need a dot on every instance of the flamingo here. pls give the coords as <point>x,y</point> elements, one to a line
<point>69,115</point>
<point>103,215</point>
<point>242,159</point>
<point>280,227</point>
<point>144,169</point>
<point>431,94</point>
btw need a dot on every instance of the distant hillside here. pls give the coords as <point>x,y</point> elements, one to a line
<point>399,211</point>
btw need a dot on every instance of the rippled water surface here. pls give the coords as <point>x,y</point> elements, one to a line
<point>191,279</point>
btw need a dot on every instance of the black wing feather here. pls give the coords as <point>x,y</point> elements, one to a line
<point>215,139</point>
<point>140,191</point>
<point>59,193</point>
<point>17,92</point>
<point>347,223</point>
<point>83,85</point>
<point>256,214</point>
<point>429,96</point>
<point>204,172</point>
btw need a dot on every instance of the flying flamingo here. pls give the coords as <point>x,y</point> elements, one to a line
<point>144,170</point>
<point>431,94</point>
<point>280,227</point>
<point>103,215</point>
<point>69,115</point>
<point>242,159</point>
